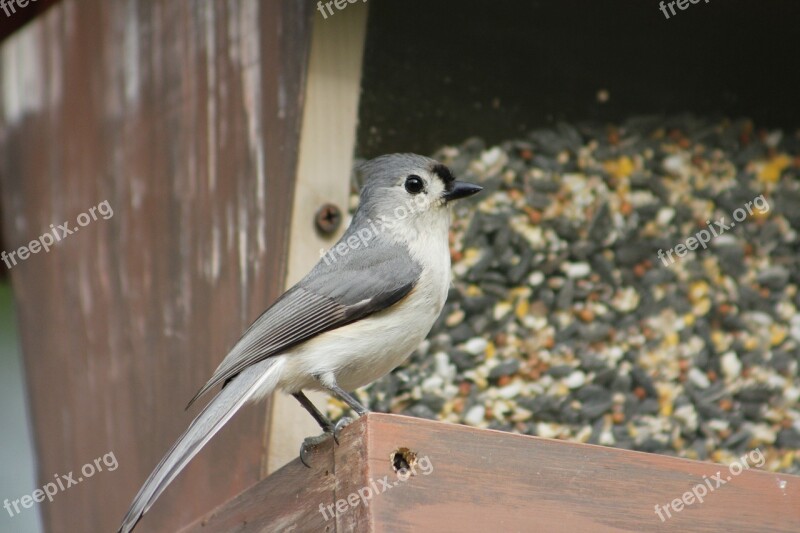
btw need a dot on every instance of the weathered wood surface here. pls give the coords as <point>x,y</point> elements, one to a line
<point>185,117</point>
<point>482,480</point>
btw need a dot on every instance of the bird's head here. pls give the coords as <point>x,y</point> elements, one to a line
<point>409,187</point>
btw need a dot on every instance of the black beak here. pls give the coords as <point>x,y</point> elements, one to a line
<point>461,189</point>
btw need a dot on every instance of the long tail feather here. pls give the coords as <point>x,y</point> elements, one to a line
<point>257,378</point>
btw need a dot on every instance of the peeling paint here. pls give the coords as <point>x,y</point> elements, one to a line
<point>252,98</point>
<point>211,98</point>
<point>215,253</point>
<point>85,287</point>
<point>131,54</point>
<point>24,81</point>
<point>55,52</point>
<point>138,188</point>
<point>243,263</point>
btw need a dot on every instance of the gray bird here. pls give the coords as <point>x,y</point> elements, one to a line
<point>359,313</point>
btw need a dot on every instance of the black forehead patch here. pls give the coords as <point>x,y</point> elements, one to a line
<point>444,173</point>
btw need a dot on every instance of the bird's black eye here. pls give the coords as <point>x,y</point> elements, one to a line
<point>414,184</point>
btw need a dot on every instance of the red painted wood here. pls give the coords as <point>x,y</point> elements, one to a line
<point>185,117</point>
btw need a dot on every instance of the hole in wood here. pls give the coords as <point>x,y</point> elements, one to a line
<point>403,460</point>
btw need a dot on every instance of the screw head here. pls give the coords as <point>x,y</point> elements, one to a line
<point>328,219</point>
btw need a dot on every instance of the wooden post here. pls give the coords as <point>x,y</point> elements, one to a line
<point>185,117</point>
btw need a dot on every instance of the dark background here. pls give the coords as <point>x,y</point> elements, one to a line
<point>436,72</point>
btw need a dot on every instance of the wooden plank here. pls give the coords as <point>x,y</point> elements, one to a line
<point>291,498</point>
<point>185,117</point>
<point>282,504</point>
<point>327,143</point>
<point>484,479</point>
<point>469,479</point>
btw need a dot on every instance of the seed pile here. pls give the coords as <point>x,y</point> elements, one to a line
<point>563,320</point>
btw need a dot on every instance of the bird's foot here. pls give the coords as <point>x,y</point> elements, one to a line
<point>308,445</point>
<point>340,425</point>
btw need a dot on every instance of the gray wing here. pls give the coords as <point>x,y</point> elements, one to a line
<point>335,293</point>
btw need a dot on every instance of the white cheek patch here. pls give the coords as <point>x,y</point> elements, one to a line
<point>435,191</point>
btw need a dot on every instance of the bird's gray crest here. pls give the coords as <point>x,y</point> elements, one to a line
<point>387,168</point>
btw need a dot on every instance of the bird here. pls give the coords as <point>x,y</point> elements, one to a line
<point>357,315</point>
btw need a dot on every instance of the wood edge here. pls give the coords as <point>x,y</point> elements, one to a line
<point>407,421</point>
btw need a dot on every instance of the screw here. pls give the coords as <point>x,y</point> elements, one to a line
<point>328,219</point>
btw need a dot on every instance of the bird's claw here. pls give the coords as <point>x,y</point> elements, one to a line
<point>340,425</point>
<point>308,445</point>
